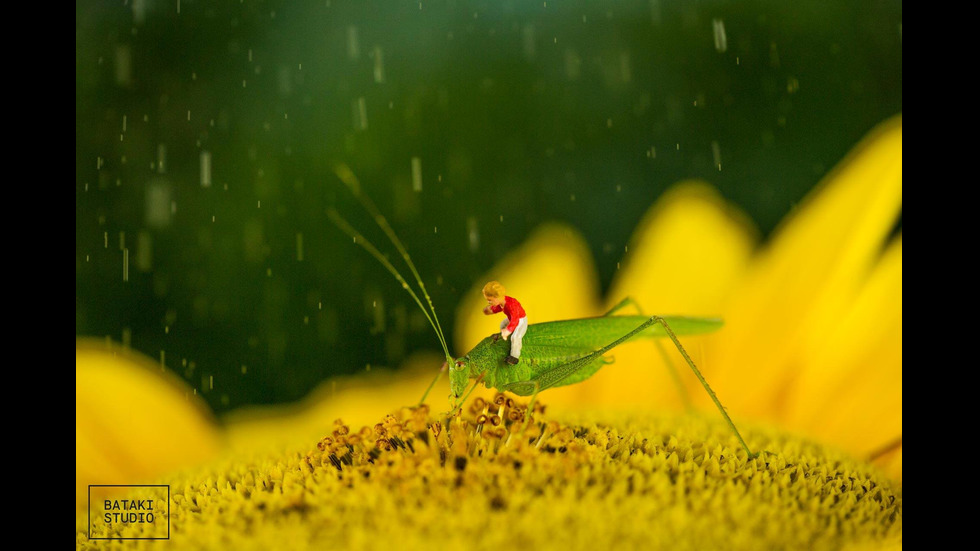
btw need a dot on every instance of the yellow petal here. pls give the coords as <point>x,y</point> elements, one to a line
<point>357,400</point>
<point>133,421</point>
<point>686,254</point>
<point>813,266</point>
<point>849,391</point>
<point>891,464</point>
<point>684,257</point>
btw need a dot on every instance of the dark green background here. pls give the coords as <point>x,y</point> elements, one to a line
<point>531,110</point>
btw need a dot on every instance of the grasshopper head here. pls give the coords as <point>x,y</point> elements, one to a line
<point>459,376</point>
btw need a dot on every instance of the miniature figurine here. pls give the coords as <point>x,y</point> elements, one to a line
<point>512,328</point>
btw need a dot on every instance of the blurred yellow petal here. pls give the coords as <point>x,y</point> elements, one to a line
<point>686,254</point>
<point>552,275</point>
<point>133,421</point>
<point>891,462</point>
<point>358,400</point>
<point>807,276</point>
<point>850,387</point>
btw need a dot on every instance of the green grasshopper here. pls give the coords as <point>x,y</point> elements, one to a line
<point>555,353</point>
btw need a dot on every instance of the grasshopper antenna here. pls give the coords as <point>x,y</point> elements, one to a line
<point>347,176</point>
<point>359,239</point>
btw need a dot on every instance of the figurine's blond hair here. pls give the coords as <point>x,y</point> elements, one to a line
<point>493,289</point>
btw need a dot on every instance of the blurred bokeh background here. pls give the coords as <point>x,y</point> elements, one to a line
<point>206,132</point>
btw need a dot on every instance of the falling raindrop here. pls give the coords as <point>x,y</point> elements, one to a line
<point>353,45</point>
<point>205,169</point>
<point>721,40</point>
<point>376,311</point>
<point>474,233</point>
<point>416,174</point>
<point>161,159</point>
<point>792,85</point>
<point>284,80</point>
<point>125,264</point>
<point>716,154</point>
<point>359,109</point>
<point>379,67</point>
<point>139,11</point>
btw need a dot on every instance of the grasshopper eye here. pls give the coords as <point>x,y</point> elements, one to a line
<point>460,364</point>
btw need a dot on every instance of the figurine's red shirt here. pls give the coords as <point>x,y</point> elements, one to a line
<point>512,309</point>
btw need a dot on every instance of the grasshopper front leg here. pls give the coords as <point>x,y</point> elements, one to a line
<point>443,369</point>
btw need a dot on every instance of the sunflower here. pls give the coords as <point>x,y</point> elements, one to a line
<point>812,340</point>
<point>808,364</point>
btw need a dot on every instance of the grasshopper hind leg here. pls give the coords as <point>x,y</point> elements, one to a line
<point>671,368</point>
<point>704,382</point>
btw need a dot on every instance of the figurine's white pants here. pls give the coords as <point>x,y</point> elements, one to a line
<point>516,336</point>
